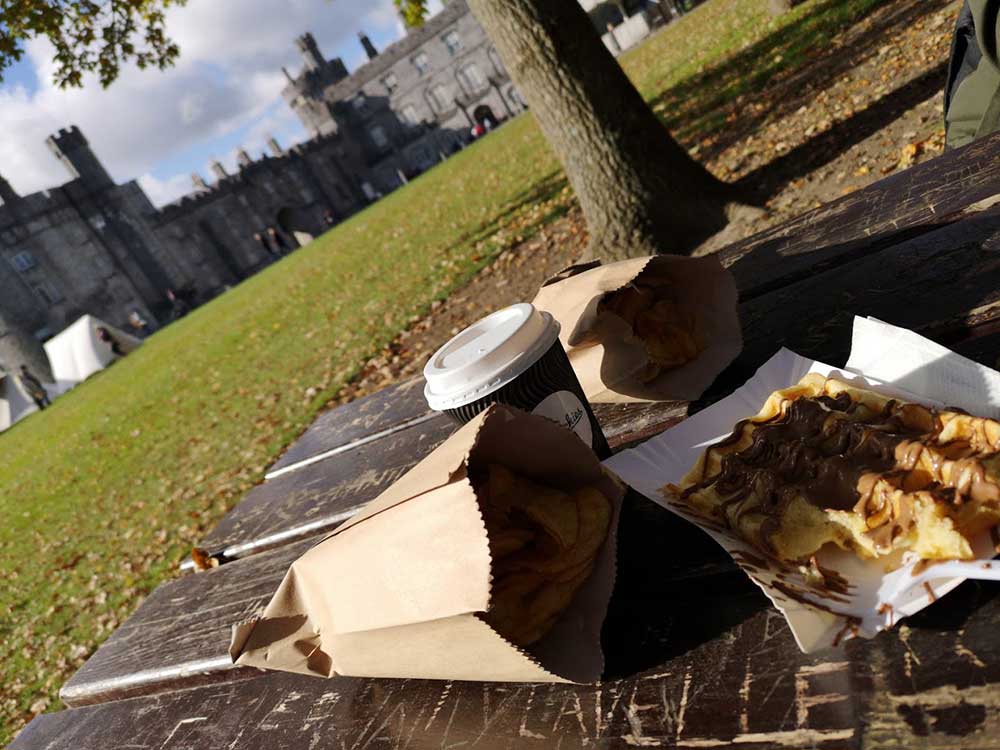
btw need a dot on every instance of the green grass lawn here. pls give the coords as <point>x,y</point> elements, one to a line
<point>103,494</point>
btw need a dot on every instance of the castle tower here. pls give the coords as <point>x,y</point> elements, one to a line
<point>243,158</point>
<point>198,181</point>
<point>71,148</point>
<point>369,47</point>
<point>310,52</point>
<point>272,143</point>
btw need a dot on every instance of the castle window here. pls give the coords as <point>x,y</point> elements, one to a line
<point>472,78</point>
<point>409,115</point>
<point>421,63</point>
<point>23,261</point>
<point>378,136</point>
<point>390,82</point>
<point>440,97</point>
<point>495,59</point>
<point>452,42</point>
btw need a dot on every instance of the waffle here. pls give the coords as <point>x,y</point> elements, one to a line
<point>827,462</point>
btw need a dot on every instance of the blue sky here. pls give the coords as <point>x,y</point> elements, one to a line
<point>224,93</point>
<point>21,74</point>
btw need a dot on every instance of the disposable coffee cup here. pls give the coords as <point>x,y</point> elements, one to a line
<point>511,357</point>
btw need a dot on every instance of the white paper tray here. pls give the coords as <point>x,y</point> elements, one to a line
<point>894,361</point>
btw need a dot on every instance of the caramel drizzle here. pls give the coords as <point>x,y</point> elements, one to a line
<point>886,609</point>
<point>819,449</point>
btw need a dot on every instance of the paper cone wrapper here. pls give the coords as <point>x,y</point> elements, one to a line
<point>605,353</point>
<point>397,591</point>
<point>875,594</point>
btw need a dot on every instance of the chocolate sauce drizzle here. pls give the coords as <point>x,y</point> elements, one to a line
<point>839,455</point>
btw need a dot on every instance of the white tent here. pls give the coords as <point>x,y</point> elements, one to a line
<point>78,352</point>
<point>15,404</point>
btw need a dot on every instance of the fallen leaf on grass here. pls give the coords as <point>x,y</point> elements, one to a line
<point>909,153</point>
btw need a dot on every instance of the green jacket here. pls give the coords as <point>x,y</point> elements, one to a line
<point>972,95</point>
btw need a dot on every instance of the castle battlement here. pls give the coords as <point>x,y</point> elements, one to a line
<point>227,184</point>
<point>71,137</point>
<point>26,208</point>
<point>71,147</point>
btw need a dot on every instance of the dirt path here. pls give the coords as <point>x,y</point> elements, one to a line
<point>882,115</point>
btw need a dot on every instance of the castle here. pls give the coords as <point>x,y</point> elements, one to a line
<point>93,246</point>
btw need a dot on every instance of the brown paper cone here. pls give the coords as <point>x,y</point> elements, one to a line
<point>395,591</point>
<point>608,357</point>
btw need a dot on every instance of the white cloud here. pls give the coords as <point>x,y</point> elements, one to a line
<point>228,77</point>
<point>165,191</point>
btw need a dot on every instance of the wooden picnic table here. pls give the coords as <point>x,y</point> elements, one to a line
<point>696,656</point>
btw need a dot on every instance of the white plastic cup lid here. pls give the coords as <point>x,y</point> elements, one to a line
<point>488,355</point>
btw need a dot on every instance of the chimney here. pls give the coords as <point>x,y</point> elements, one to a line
<point>218,170</point>
<point>369,47</point>
<point>272,143</point>
<point>7,193</point>
<point>243,158</point>
<point>310,52</point>
<point>198,181</point>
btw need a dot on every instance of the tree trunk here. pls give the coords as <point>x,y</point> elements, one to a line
<point>640,192</point>
<point>18,347</point>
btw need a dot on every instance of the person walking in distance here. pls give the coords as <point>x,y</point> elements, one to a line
<point>180,307</point>
<point>33,386</point>
<point>115,345</point>
<point>262,240</point>
<point>138,324</point>
<point>280,246</point>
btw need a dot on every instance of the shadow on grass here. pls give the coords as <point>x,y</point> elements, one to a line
<point>783,71</point>
<point>769,179</point>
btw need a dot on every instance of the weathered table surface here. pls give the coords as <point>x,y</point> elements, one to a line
<point>317,497</point>
<point>942,191</point>
<point>390,409</point>
<point>313,498</point>
<point>695,656</point>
